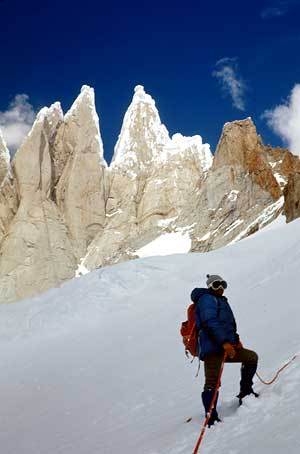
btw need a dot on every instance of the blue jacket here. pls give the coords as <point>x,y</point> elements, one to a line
<point>215,320</point>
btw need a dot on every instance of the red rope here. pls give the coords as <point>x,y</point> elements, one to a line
<point>204,425</point>
<point>278,372</point>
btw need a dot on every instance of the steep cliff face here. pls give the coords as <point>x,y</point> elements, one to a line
<point>62,209</point>
<point>35,251</point>
<point>8,202</point>
<point>153,183</point>
<point>283,164</point>
<point>4,158</point>
<point>286,168</point>
<point>240,193</point>
<point>53,204</point>
<point>292,197</point>
<point>8,205</point>
<point>241,148</point>
<point>79,172</point>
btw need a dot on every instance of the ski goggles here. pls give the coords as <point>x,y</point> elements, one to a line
<point>217,284</point>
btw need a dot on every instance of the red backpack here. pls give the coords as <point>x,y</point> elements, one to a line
<point>189,332</point>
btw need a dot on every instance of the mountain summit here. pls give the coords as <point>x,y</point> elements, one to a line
<point>142,136</point>
<point>63,211</point>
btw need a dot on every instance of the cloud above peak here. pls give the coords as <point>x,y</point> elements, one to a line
<point>284,119</point>
<point>278,8</point>
<point>273,11</point>
<point>227,73</point>
<point>16,121</point>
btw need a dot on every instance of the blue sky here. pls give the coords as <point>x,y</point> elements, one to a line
<point>205,63</point>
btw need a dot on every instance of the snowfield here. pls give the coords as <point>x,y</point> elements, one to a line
<point>97,366</point>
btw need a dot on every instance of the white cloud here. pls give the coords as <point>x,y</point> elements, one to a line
<point>285,120</point>
<point>274,11</point>
<point>278,8</point>
<point>16,121</point>
<point>227,74</point>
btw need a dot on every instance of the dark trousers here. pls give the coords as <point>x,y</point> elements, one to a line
<point>213,362</point>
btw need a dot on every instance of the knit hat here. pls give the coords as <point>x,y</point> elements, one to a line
<point>212,278</point>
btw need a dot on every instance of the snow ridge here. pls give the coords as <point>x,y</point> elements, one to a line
<point>65,392</point>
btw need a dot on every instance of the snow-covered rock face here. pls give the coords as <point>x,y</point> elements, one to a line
<point>63,211</point>
<point>142,136</point>
<point>144,141</point>
<point>214,202</point>
<point>193,145</point>
<point>152,178</point>
<point>4,158</point>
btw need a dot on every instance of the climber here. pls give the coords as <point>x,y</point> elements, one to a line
<point>218,336</point>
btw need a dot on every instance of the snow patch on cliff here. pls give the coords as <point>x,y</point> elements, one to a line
<point>166,244</point>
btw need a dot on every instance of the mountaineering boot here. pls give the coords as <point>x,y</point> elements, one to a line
<point>247,374</point>
<point>207,397</point>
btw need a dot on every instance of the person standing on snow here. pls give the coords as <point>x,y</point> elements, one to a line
<point>218,335</point>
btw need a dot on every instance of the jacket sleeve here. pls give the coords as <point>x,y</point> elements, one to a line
<point>207,313</point>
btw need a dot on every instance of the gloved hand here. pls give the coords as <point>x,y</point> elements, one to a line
<point>229,350</point>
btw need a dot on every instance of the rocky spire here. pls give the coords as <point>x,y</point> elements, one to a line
<point>80,188</point>
<point>32,162</point>
<point>60,203</point>
<point>142,136</point>
<point>241,148</point>
<point>152,180</point>
<point>84,110</point>
<point>37,251</point>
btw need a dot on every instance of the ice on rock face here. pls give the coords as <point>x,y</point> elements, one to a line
<point>53,114</point>
<point>141,96</point>
<point>144,140</point>
<point>181,144</point>
<point>142,135</point>
<point>86,96</point>
<point>4,153</point>
<point>4,158</point>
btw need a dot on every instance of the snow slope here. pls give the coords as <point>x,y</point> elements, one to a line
<point>97,366</point>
